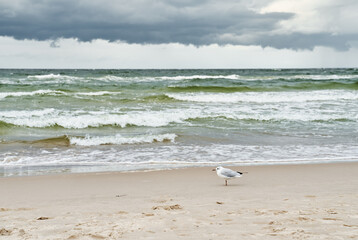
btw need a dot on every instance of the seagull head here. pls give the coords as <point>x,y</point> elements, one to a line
<point>217,168</point>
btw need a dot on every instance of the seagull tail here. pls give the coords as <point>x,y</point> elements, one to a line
<point>243,172</point>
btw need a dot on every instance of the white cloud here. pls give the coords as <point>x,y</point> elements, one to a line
<point>331,16</point>
<point>104,54</point>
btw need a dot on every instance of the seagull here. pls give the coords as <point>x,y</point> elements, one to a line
<point>227,173</point>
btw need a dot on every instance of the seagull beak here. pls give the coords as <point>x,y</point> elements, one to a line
<point>214,170</point>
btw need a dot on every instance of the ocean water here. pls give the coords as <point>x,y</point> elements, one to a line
<point>54,121</point>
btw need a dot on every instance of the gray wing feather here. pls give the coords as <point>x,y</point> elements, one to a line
<point>229,173</point>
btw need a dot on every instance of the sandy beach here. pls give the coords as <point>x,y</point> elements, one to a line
<point>270,202</point>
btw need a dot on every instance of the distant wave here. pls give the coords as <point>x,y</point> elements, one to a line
<point>223,89</point>
<point>189,77</point>
<point>112,78</point>
<point>298,77</point>
<point>100,93</point>
<point>55,79</point>
<point>255,78</point>
<point>51,118</point>
<point>26,113</point>
<point>278,86</point>
<point>322,77</point>
<point>119,139</point>
<point>37,92</point>
<point>44,79</point>
<point>161,78</point>
<point>51,76</point>
<point>55,93</point>
<point>266,97</point>
<point>96,140</point>
<point>78,120</point>
<point>204,94</point>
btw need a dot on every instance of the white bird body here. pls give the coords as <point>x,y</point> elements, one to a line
<point>227,173</point>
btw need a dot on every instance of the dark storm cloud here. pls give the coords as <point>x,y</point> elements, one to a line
<point>154,21</point>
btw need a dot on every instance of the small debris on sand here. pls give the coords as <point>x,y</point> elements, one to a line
<point>168,207</point>
<point>5,232</point>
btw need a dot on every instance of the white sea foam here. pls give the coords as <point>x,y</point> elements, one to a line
<point>322,77</point>
<point>51,76</point>
<point>282,111</point>
<point>266,97</point>
<point>232,77</point>
<point>294,77</point>
<point>109,78</point>
<point>45,79</point>
<point>171,156</point>
<point>21,114</point>
<point>100,93</point>
<point>119,139</point>
<point>58,78</point>
<point>37,92</point>
<point>77,120</point>
<point>188,77</point>
<point>54,92</point>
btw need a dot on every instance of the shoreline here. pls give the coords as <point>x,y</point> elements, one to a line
<point>285,201</point>
<point>49,170</point>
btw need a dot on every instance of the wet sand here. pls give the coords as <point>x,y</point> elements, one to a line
<point>270,202</point>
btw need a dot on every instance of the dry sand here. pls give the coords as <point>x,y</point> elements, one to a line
<point>270,202</point>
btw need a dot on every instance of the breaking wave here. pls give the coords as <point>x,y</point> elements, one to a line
<point>52,118</point>
<point>55,93</point>
<point>38,92</point>
<point>266,97</point>
<point>51,76</point>
<point>78,120</point>
<point>120,140</point>
<point>88,140</point>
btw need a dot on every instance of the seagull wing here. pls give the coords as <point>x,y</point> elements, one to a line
<point>229,173</point>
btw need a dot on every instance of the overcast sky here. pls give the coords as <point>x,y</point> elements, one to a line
<point>178,33</point>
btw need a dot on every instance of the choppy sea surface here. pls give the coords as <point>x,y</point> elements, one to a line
<point>54,121</point>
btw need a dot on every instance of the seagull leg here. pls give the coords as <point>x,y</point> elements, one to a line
<point>225,182</point>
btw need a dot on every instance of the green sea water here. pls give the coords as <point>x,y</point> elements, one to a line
<point>124,120</point>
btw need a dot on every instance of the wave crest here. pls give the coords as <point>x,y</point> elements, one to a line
<point>190,77</point>
<point>266,97</point>
<point>38,92</point>
<point>120,140</point>
<point>51,76</point>
<point>78,120</point>
<point>48,118</point>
